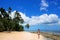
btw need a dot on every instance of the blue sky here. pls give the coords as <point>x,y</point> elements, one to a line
<point>37,8</point>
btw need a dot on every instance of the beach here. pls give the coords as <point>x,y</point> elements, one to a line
<point>53,36</point>
<point>21,36</point>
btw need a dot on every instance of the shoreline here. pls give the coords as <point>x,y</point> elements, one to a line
<point>17,33</point>
<point>51,35</point>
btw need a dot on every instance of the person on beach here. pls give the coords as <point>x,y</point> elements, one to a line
<point>38,32</point>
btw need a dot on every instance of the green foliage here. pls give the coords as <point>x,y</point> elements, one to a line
<point>27,25</point>
<point>1,27</point>
<point>9,24</point>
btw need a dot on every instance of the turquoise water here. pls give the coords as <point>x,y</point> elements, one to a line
<point>46,31</point>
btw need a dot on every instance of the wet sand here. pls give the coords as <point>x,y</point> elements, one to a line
<point>53,36</point>
<point>21,36</point>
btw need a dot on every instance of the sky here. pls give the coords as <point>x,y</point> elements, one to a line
<point>42,14</point>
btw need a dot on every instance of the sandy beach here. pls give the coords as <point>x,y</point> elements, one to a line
<point>20,36</point>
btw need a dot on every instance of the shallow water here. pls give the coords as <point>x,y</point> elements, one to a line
<point>48,39</point>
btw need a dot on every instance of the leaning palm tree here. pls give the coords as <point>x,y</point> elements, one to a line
<point>27,25</point>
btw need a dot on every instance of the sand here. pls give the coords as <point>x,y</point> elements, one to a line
<point>20,36</point>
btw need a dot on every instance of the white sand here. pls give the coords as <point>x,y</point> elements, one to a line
<point>20,36</point>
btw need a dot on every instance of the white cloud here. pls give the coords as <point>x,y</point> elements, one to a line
<point>44,5</point>
<point>12,14</point>
<point>26,18</point>
<point>59,21</point>
<point>22,15</point>
<point>42,19</point>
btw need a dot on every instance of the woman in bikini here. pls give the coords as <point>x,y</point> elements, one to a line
<point>38,32</point>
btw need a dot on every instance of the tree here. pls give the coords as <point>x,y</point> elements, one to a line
<point>9,10</point>
<point>27,25</point>
<point>9,24</point>
<point>18,19</point>
<point>1,26</point>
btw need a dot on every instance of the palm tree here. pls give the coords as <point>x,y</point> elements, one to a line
<point>8,24</point>
<point>9,10</point>
<point>18,19</point>
<point>1,27</point>
<point>0,16</point>
<point>27,25</point>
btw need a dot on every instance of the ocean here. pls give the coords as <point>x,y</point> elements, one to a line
<point>46,31</point>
